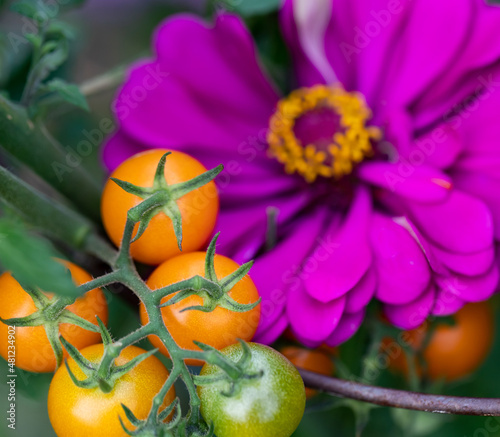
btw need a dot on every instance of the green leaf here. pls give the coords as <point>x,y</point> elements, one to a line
<point>28,8</point>
<point>41,12</point>
<point>66,92</point>
<point>31,260</point>
<point>53,55</point>
<point>59,29</point>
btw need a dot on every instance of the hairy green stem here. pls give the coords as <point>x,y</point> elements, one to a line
<point>53,218</point>
<point>32,145</point>
<point>101,281</point>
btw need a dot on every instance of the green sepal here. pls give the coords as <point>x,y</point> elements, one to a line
<point>162,198</point>
<point>86,383</point>
<point>203,308</point>
<point>247,354</point>
<point>159,179</point>
<point>230,304</point>
<point>166,412</point>
<point>39,299</point>
<point>183,188</point>
<point>174,213</point>
<point>214,292</point>
<point>105,334</point>
<point>125,429</point>
<point>231,280</point>
<point>119,371</point>
<point>52,332</point>
<point>181,295</point>
<point>188,284</point>
<point>131,188</point>
<point>68,317</point>
<point>85,365</point>
<point>209,260</point>
<point>206,347</point>
<point>35,319</point>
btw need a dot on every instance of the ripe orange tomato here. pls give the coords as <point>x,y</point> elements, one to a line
<point>199,208</point>
<point>453,351</point>
<point>219,328</point>
<point>83,412</point>
<point>32,347</point>
<point>313,360</point>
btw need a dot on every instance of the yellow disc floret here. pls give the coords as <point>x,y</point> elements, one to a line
<point>347,147</point>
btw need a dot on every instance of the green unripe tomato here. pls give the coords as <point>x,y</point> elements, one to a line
<point>271,405</point>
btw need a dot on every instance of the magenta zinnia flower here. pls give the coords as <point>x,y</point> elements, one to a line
<point>403,206</point>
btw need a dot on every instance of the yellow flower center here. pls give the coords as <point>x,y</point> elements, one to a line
<point>321,131</point>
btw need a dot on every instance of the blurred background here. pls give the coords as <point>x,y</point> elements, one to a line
<point>110,33</point>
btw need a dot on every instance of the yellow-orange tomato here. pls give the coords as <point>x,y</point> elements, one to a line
<point>452,351</point>
<point>313,360</point>
<point>83,412</point>
<point>198,208</point>
<point>32,348</point>
<point>219,328</point>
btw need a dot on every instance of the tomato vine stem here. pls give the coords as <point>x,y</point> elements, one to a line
<point>410,400</point>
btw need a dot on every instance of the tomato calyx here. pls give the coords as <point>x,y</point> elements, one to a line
<point>162,198</point>
<point>105,373</point>
<point>154,425</point>
<point>214,292</point>
<point>50,314</point>
<point>231,381</point>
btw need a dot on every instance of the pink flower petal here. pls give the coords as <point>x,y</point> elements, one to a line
<point>348,254</point>
<point>447,303</point>
<point>276,272</point>
<point>411,315</point>
<point>361,294</point>
<point>273,332</point>
<point>422,183</point>
<point>311,319</point>
<point>470,264</point>
<point>470,288</point>
<point>460,224</point>
<point>402,269</point>
<point>348,326</point>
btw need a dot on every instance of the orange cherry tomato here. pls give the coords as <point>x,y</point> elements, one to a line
<point>198,208</point>
<point>83,412</point>
<point>32,348</point>
<point>219,328</point>
<point>452,351</point>
<point>313,360</point>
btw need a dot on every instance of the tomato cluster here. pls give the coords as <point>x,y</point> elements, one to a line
<point>81,400</point>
